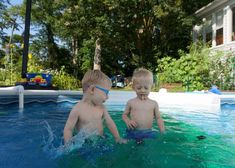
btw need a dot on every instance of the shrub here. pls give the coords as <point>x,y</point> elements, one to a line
<point>196,70</point>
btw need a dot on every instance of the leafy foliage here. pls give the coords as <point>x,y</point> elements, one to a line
<point>63,80</point>
<point>221,70</point>
<point>133,33</point>
<point>198,69</point>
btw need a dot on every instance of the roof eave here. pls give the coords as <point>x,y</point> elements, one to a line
<point>206,9</point>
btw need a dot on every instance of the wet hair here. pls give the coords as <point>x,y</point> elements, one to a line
<point>95,77</point>
<point>142,73</point>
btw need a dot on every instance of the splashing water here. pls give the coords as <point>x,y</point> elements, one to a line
<point>75,143</point>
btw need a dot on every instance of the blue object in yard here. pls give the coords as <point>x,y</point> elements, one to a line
<point>215,90</point>
<point>118,81</point>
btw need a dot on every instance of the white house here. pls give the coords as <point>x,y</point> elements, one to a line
<point>217,25</point>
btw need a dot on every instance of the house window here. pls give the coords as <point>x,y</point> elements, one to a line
<point>200,35</point>
<point>219,36</point>
<point>219,28</point>
<point>233,33</point>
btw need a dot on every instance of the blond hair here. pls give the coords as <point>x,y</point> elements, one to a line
<point>95,77</point>
<point>142,73</point>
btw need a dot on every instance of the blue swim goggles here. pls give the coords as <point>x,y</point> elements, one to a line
<point>106,91</point>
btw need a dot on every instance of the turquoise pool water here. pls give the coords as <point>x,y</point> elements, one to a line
<point>32,137</point>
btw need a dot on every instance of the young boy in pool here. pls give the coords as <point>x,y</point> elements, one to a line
<point>140,111</point>
<point>88,114</point>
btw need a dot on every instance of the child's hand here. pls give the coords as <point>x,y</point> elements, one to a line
<point>121,141</point>
<point>131,124</point>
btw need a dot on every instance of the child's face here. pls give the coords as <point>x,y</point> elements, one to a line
<point>100,94</point>
<point>142,88</point>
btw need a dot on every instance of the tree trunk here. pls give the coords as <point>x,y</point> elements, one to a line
<point>75,51</point>
<point>75,60</point>
<point>97,57</point>
<point>52,47</point>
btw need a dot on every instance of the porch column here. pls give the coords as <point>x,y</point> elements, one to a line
<point>213,30</point>
<point>195,33</point>
<point>228,25</point>
<point>204,30</point>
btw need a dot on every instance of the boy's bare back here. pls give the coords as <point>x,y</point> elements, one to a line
<point>89,118</point>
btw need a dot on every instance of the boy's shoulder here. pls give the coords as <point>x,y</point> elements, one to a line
<point>84,105</point>
<point>80,103</point>
<point>153,101</point>
<point>79,106</point>
<point>132,100</point>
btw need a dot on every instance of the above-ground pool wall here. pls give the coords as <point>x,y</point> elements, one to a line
<point>203,101</point>
<point>10,95</point>
<point>207,102</point>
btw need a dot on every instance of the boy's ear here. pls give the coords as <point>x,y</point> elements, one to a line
<point>91,89</point>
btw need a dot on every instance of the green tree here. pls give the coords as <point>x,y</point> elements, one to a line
<point>4,17</point>
<point>132,33</point>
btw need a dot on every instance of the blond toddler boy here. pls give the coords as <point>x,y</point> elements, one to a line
<point>89,113</point>
<point>141,111</point>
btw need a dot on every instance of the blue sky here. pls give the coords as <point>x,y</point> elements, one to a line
<point>16,2</point>
<point>8,31</point>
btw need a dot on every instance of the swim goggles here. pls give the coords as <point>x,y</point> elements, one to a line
<point>106,91</point>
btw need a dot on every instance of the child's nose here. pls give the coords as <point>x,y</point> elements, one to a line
<point>142,89</point>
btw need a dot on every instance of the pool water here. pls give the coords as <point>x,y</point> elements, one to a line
<point>32,137</point>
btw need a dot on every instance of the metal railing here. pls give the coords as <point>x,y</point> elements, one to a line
<point>14,90</point>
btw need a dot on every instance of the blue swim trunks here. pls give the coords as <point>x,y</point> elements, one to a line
<point>139,135</point>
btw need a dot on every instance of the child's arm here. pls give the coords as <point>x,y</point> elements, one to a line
<point>112,127</point>
<point>129,123</point>
<point>70,124</point>
<point>159,120</point>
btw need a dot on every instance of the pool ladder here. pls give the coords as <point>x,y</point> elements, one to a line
<point>15,90</point>
<point>20,90</point>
